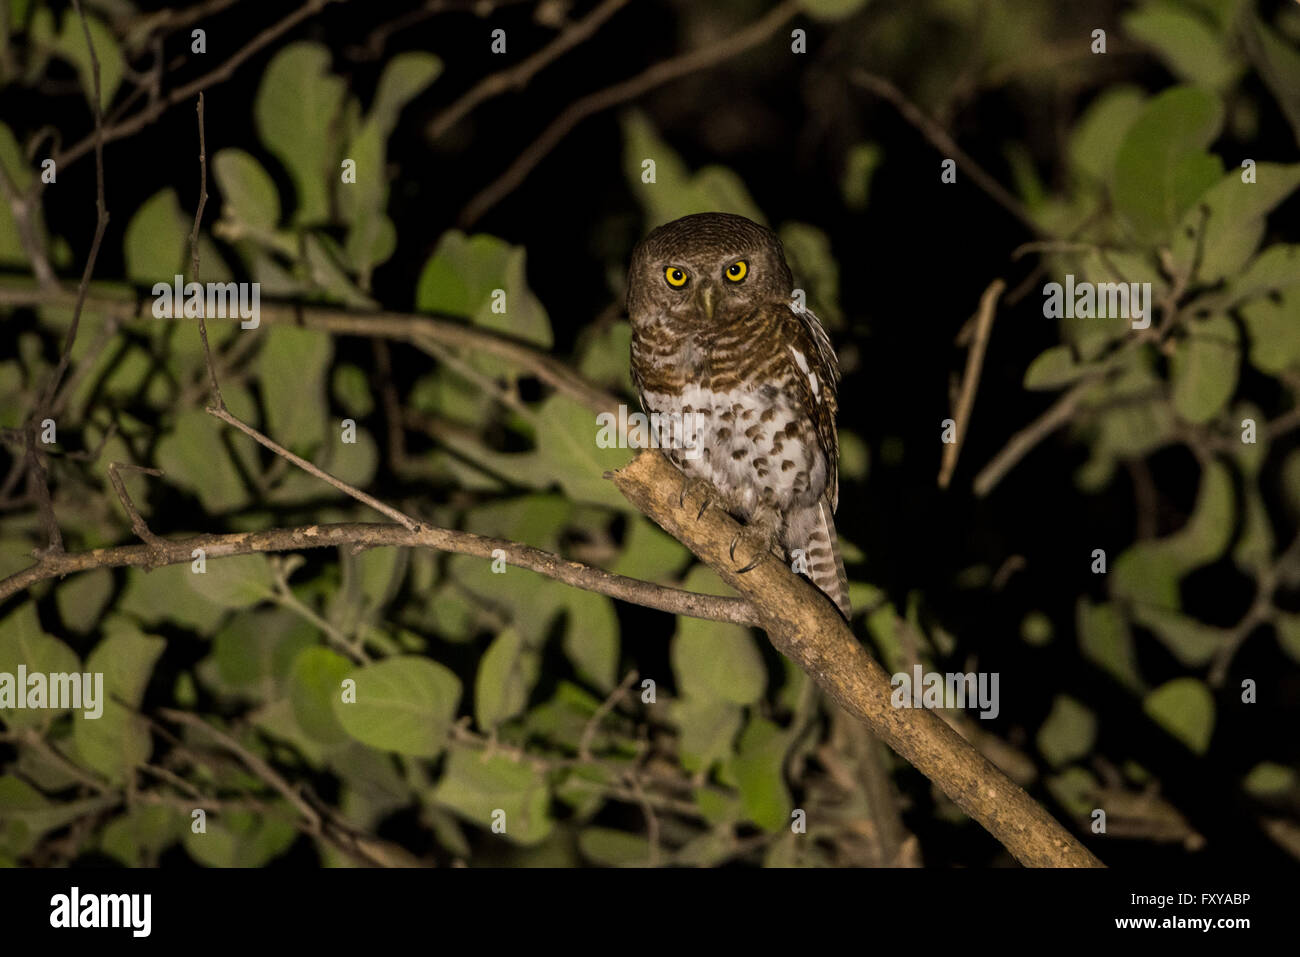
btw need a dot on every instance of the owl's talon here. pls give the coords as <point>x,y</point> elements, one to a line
<point>752,565</point>
<point>703,506</point>
<point>732,550</point>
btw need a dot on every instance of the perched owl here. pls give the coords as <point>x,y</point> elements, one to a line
<point>740,383</point>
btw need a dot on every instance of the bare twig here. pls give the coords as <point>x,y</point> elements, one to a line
<point>517,76</point>
<point>194,257</point>
<point>751,36</point>
<point>20,207</point>
<point>1020,444</point>
<point>393,513</point>
<point>229,65</point>
<point>946,145</point>
<point>970,381</point>
<point>606,706</point>
<point>138,524</point>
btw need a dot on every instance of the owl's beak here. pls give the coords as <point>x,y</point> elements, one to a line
<point>706,298</point>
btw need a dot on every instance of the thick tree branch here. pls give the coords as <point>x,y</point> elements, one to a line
<point>805,627</point>
<point>163,551</point>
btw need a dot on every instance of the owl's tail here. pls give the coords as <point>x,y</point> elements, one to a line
<point>825,566</point>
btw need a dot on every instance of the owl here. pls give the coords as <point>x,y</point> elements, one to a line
<point>739,383</point>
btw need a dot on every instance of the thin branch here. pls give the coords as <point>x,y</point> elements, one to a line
<point>945,144</point>
<point>971,379</point>
<point>606,706</point>
<point>1020,444</point>
<point>675,601</point>
<point>517,76</point>
<point>138,524</point>
<point>21,208</point>
<point>806,628</point>
<point>228,66</point>
<point>700,59</point>
<point>217,397</point>
<point>101,222</point>
<point>410,524</point>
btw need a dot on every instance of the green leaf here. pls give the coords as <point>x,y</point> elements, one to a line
<point>136,837</point>
<point>506,676</point>
<point>1105,640</point>
<point>808,250</point>
<point>460,280</point>
<point>23,643</point>
<point>569,455</point>
<point>1149,571</point>
<point>1279,67</point>
<point>1192,48</point>
<point>759,768</point>
<point>715,660</point>
<point>676,192</point>
<point>1203,369</point>
<point>707,730</point>
<point>1233,214</point>
<point>81,599</point>
<point>1267,779</point>
<point>405,77</point>
<point>1160,168</point>
<point>591,639</point>
<point>236,581</point>
<point>352,390</point>
<point>1275,270</point>
<point>156,243</point>
<point>114,743</point>
<point>1068,733</point>
<point>254,651</point>
<point>194,457</point>
<point>1054,368</point>
<point>1096,138</point>
<point>832,9</point>
<point>297,105</point>
<point>292,367</point>
<point>315,683</point>
<point>250,198</point>
<point>243,839</point>
<point>1184,708</point>
<point>650,553</point>
<point>26,814</point>
<point>860,165</point>
<point>611,848</point>
<point>497,790</point>
<point>70,44</point>
<point>1273,326</point>
<point>1288,633</point>
<point>1187,639</point>
<point>403,704</point>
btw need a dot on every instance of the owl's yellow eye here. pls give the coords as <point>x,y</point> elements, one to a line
<point>737,270</point>
<point>676,276</point>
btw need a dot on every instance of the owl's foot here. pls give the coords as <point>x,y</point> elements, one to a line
<point>760,540</point>
<point>690,487</point>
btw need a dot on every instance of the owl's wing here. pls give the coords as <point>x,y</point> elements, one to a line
<point>817,379</point>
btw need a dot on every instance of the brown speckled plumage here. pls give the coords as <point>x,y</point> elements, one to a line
<point>754,380</point>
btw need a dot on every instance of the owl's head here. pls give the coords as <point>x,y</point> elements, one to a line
<point>706,268</point>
